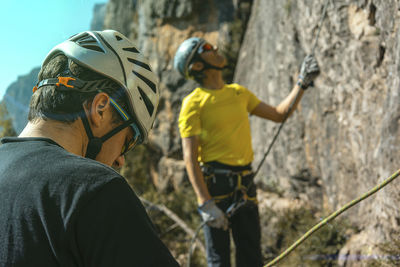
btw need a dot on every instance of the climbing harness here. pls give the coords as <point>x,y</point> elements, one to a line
<point>236,181</point>
<point>333,216</point>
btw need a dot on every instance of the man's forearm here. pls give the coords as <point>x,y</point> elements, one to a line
<point>283,107</point>
<point>190,148</point>
<point>197,180</point>
<point>279,113</point>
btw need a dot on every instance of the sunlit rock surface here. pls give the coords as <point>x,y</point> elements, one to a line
<point>343,139</point>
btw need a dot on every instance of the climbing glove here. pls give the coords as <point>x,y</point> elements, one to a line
<point>213,215</point>
<point>308,72</point>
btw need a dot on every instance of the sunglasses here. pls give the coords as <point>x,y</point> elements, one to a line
<point>129,145</point>
<point>204,48</point>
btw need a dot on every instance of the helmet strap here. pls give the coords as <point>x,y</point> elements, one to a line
<point>199,75</point>
<point>95,143</point>
<point>208,65</point>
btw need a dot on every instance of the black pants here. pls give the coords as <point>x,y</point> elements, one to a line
<point>244,223</point>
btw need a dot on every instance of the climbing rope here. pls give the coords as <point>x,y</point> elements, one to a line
<point>333,216</point>
<point>192,242</point>
<point>320,26</point>
<point>297,96</point>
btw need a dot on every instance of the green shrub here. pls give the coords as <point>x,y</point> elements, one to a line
<point>320,249</point>
<point>390,253</point>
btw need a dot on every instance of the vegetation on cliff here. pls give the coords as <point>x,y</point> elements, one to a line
<point>6,128</point>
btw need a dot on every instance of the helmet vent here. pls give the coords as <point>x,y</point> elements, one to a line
<point>147,102</point>
<point>88,41</point>
<point>118,38</point>
<point>147,81</point>
<point>141,64</point>
<point>93,47</point>
<point>131,49</point>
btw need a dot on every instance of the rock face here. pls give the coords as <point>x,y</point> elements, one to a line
<point>345,134</point>
<point>346,131</point>
<point>99,11</point>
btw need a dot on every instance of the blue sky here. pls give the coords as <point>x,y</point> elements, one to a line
<point>31,28</point>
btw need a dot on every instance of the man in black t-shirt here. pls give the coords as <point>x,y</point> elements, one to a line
<point>61,202</point>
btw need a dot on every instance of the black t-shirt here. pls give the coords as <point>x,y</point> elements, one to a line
<point>59,209</point>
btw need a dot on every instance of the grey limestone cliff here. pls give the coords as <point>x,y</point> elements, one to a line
<point>346,131</point>
<point>99,12</point>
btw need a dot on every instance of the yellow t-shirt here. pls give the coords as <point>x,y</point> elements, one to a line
<point>220,119</point>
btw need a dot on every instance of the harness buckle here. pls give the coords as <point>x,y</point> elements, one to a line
<point>207,170</point>
<point>231,181</point>
<point>235,206</point>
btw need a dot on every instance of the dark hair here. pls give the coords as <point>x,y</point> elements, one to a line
<point>66,106</point>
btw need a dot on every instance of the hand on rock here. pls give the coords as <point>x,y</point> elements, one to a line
<point>308,72</point>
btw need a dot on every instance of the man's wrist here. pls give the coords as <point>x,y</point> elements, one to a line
<point>203,201</point>
<point>301,84</point>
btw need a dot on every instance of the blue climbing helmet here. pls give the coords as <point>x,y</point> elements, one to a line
<point>185,54</point>
<point>188,52</point>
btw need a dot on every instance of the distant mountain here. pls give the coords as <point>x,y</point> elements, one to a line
<point>17,98</point>
<point>99,12</point>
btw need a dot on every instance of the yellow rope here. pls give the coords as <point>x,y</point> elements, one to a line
<point>333,216</point>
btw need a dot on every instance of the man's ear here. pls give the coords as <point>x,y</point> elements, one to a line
<point>196,66</point>
<point>98,108</point>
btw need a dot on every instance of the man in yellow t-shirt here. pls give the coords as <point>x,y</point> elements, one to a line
<point>217,150</point>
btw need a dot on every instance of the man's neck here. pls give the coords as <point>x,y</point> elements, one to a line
<point>69,136</point>
<point>213,80</point>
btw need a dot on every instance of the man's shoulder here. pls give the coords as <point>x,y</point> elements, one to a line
<point>195,98</point>
<point>87,170</point>
<point>48,162</point>
<point>197,94</point>
<point>237,88</point>
<point>49,177</point>
<point>76,180</point>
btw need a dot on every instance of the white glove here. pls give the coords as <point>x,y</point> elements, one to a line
<point>213,215</point>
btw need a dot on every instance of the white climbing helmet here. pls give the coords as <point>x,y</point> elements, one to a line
<point>113,55</point>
